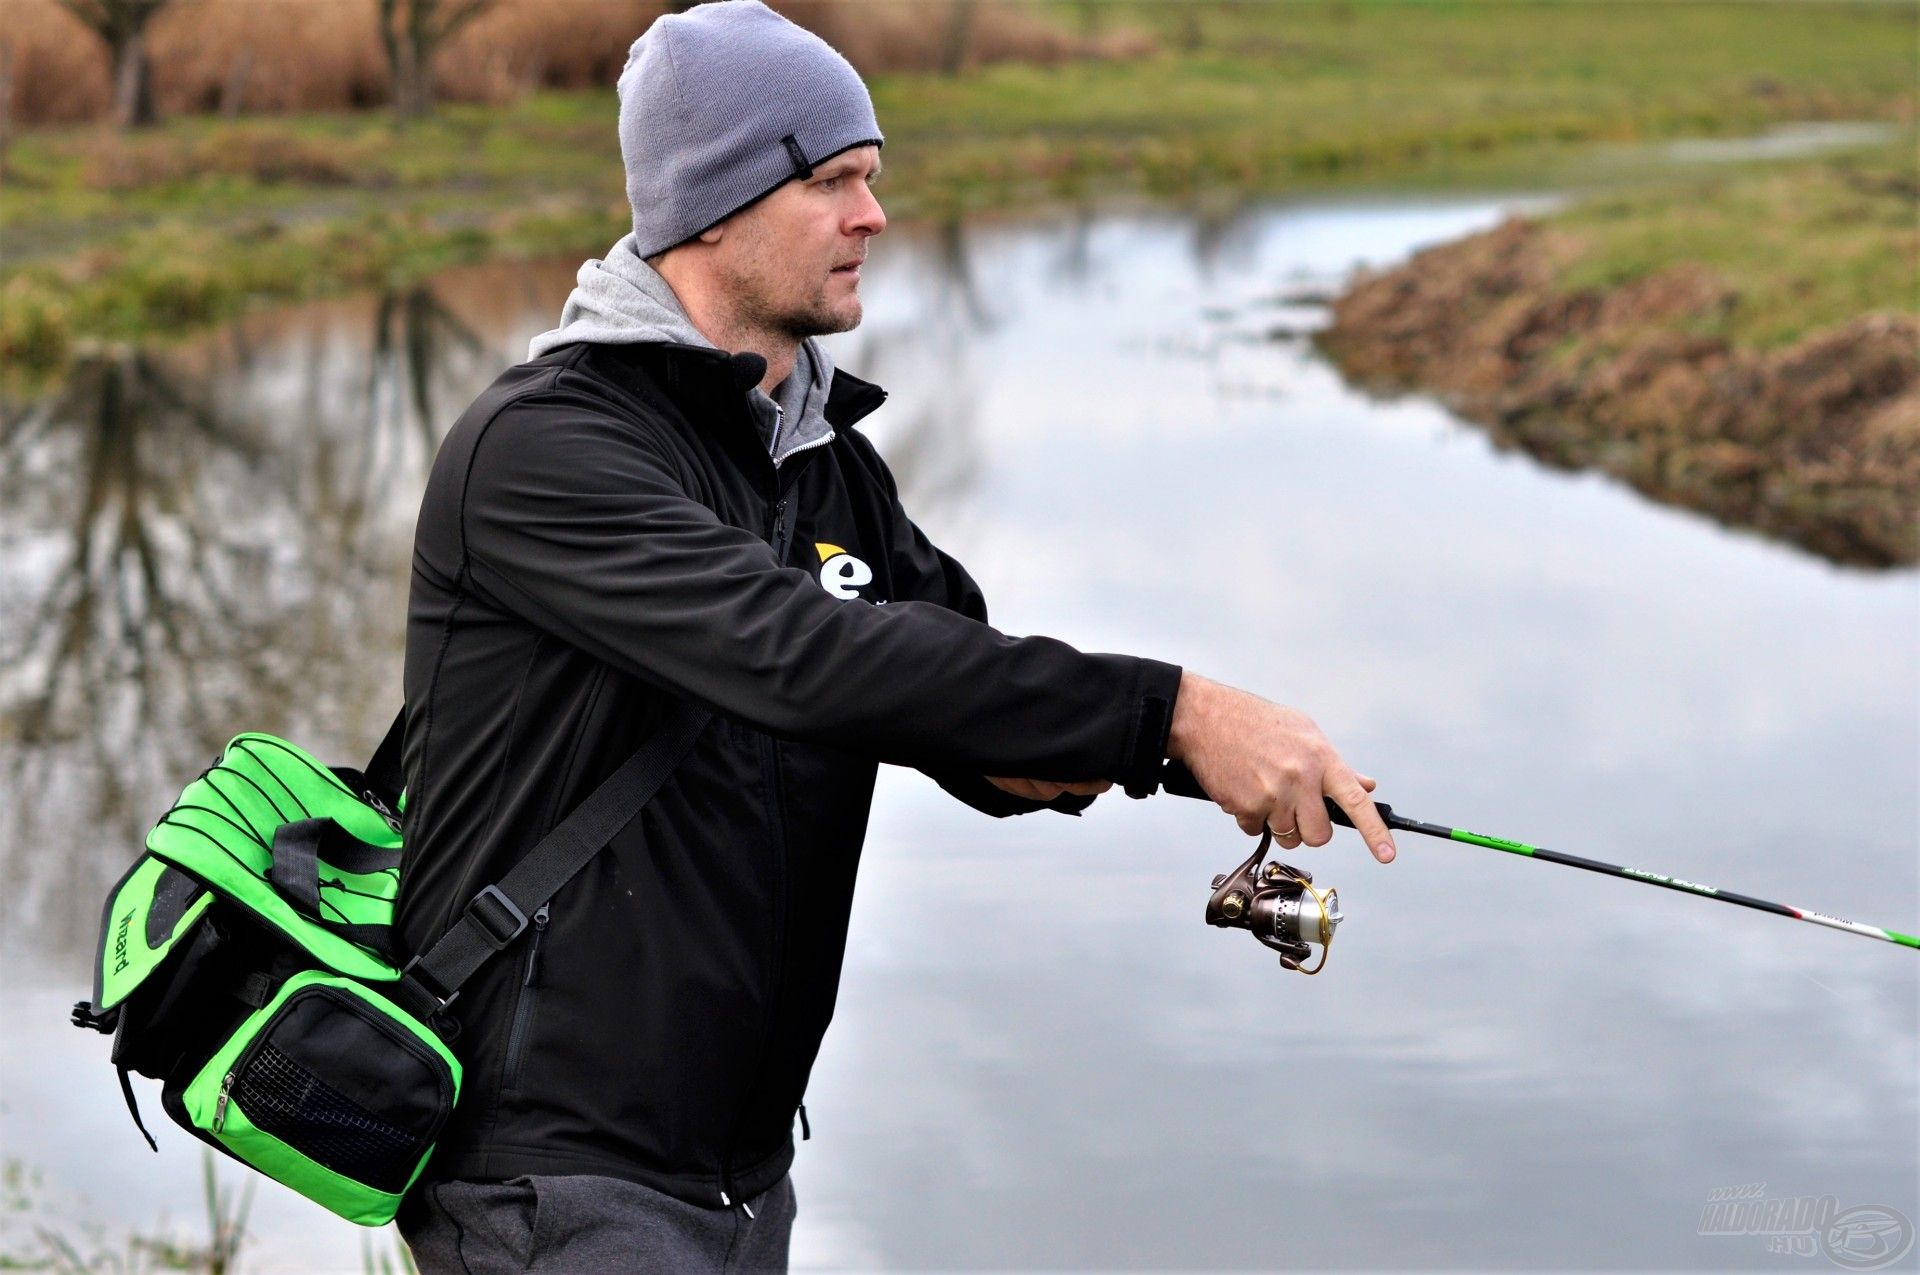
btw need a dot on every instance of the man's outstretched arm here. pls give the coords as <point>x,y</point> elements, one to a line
<point>573,519</point>
<point>1264,763</point>
<point>923,571</point>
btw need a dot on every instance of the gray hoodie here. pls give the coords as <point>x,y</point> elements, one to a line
<point>622,300</point>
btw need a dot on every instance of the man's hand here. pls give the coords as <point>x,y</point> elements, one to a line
<point>1046,790</point>
<point>1269,766</point>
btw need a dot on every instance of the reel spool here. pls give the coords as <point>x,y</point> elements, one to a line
<point>1279,905</point>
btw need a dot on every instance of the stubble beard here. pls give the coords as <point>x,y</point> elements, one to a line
<point>814,317</point>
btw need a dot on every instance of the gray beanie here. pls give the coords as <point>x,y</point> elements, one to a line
<point>721,105</point>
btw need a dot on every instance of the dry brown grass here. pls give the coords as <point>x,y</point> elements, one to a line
<point>909,35</point>
<point>59,69</point>
<point>307,55</point>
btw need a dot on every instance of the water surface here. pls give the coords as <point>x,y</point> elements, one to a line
<point>1042,1057</point>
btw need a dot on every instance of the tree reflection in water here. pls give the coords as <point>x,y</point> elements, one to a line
<point>128,589</point>
<point>193,544</point>
<point>929,431</point>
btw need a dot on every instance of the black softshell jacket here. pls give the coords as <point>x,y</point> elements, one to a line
<point>603,529</point>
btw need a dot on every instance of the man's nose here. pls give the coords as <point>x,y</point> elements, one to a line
<point>869,218</point>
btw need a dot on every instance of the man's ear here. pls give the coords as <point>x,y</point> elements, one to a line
<point>712,233</point>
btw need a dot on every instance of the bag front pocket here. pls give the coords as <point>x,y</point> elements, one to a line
<point>331,1089</point>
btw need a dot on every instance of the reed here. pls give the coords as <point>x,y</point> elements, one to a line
<point>242,56</point>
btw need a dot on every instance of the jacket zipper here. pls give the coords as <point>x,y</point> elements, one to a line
<point>780,533</point>
<point>523,1005</point>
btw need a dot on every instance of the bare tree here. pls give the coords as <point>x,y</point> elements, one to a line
<point>1092,13</point>
<point>234,91</point>
<point>1193,33</point>
<point>122,26</point>
<point>413,32</point>
<point>958,34</point>
<point>6,103</point>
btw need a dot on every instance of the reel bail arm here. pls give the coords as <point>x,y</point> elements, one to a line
<point>1278,905</point>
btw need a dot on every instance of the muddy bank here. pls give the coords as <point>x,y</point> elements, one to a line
<point>1817,443</point>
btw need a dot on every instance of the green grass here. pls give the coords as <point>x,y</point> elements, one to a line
<point>103,236</point>
<point>1808,245</point>
<point>1282,92</point>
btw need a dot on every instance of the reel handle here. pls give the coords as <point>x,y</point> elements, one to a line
<point>1179,781</point>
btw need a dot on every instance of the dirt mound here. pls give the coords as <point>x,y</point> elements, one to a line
<point>1818,444</point>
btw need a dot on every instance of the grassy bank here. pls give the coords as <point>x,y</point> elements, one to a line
<point>1802,247</point>
<point>102,236</point>
<point>1746,345</point>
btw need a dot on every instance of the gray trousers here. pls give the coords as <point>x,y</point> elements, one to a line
<point>586,1225</point>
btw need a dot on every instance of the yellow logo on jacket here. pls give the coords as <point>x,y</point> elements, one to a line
<point>841,574</point>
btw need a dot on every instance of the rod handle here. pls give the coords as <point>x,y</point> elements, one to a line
<point>1179,781</point>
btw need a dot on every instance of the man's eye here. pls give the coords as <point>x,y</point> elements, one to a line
<point>829,183</point>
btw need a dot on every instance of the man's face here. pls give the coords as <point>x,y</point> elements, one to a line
<point>791,263</point>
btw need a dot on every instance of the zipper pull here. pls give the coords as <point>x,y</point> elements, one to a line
<point>533,948</point>
<point>381,806</point>
<point>725,1203</point>
<point>220,1105</point>
<point>806,1130</point>
<point>777,533</point>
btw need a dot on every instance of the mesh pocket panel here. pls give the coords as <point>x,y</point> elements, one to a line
<point>286,1100</point>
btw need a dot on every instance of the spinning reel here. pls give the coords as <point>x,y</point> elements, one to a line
<point>1280,905</point>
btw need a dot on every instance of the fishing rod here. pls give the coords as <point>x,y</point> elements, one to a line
<point>1280,905</point>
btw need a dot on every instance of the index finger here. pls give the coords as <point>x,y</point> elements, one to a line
<point>1364,819</point>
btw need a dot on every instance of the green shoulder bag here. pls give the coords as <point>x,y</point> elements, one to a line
<point>247,962</point>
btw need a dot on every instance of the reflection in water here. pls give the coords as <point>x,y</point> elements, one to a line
<point>136,573</point>
<point>191,550</point>
<point>413,332</point>
<point>1089,415</point>
<point>932,439</point>
<point>1223,234</point>
<point>957,290</point>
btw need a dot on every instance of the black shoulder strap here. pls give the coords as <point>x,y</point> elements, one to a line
<point>497,915</point>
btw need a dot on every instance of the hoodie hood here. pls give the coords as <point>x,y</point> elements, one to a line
<point>621,300</point>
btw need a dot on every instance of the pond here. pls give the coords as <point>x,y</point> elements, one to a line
<point>1041,1056</point>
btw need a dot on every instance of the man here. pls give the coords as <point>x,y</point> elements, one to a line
<point>671,501</point>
